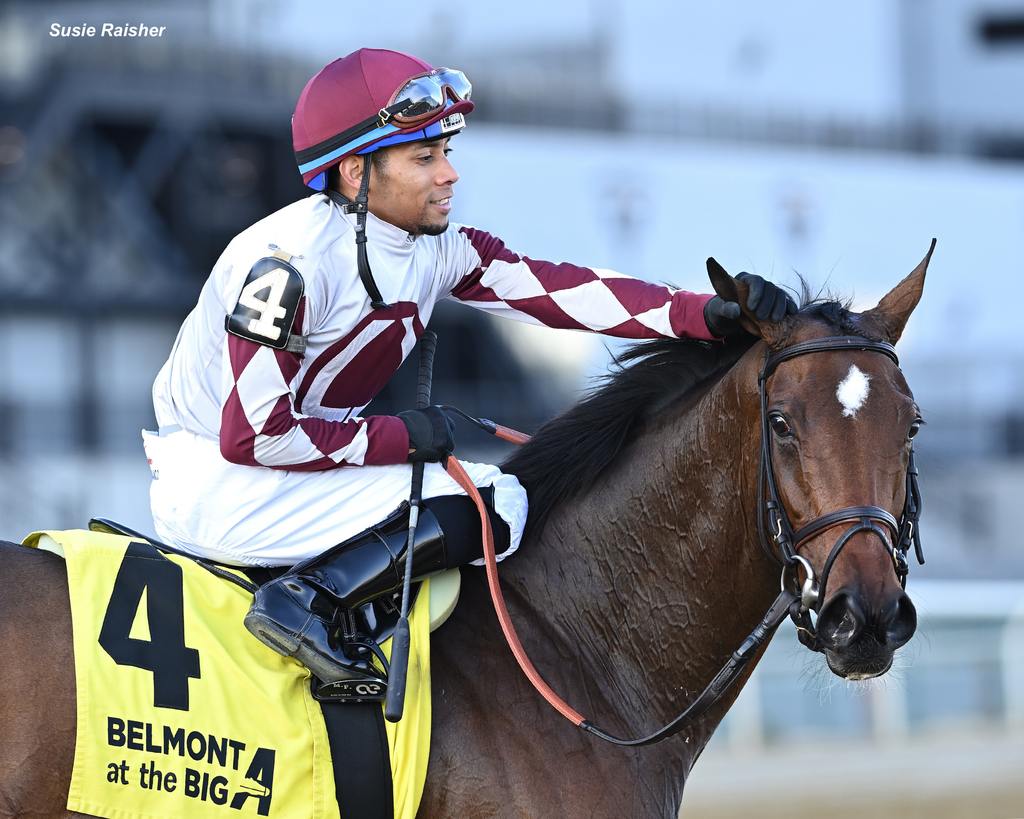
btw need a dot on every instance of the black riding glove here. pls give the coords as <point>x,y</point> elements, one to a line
<point>767,301</point>
<point>431,434</point>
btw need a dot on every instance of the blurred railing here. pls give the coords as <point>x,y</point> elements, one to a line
<point>962,671</point>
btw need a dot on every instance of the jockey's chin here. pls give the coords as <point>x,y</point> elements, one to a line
<point>431,228</point>
<point>429,219</point>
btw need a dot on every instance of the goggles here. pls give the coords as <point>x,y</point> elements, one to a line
<point>424,96</point>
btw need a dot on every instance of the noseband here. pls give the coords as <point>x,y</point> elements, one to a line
<point>774,527</point>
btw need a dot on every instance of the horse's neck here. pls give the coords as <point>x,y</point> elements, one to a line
<point>654,577</point>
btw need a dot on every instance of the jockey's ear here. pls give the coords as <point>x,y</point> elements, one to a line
<point>889,317</point>
<point>350,169</point>
<point>729,288</point>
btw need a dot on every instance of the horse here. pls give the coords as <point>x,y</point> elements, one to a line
<point>639,574</point>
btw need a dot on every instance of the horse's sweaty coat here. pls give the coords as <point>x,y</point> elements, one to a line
<point>181,712</point>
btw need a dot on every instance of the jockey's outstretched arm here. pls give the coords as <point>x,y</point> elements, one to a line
<point>489,276</point>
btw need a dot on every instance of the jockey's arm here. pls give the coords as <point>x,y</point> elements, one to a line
<point>490,277</point>
<point>260,425</point>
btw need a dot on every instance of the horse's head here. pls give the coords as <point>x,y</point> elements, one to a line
<point>837,500</point>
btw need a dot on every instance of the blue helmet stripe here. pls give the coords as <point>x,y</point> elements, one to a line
<point>376,133</point>
<point>392,138</point>
<point>431,131</point>
<point>380,138</point>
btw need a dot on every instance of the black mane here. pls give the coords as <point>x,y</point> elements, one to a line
<point>567,454</point>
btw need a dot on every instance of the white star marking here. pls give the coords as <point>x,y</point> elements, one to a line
<point>852,391</point>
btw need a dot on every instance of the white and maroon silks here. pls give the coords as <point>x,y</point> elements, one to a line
<point>253,474</point>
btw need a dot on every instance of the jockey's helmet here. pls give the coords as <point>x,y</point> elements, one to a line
<point>371,99</point>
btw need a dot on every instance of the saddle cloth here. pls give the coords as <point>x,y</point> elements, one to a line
<point>181,712</point>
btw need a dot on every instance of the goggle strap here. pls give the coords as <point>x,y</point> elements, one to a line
<point>346,136</point>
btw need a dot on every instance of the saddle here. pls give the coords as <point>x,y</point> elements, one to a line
<point>377,619</point>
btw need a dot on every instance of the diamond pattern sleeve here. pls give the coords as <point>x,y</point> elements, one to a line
<point>570,297</point>
<point>261,427</point>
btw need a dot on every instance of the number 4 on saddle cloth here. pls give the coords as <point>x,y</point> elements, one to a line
<point>182,712</point>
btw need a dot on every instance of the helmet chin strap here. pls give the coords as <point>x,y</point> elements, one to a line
<point>359,208</point>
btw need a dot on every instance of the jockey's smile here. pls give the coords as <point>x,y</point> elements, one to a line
<point>410,187</point>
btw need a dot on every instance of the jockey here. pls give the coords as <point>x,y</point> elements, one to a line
<point>263,457</point>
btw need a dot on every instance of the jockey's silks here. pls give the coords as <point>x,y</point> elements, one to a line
<point>242,405</point>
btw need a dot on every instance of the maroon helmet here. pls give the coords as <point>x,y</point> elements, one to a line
<point>370,99</point>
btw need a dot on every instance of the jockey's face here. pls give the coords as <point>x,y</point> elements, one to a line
<point>413,189</point>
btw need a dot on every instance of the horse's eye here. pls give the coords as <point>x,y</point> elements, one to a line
<point>914,428</point>
<point>780,426</point>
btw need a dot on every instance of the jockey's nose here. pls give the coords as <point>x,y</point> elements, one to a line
<point>448,175</point>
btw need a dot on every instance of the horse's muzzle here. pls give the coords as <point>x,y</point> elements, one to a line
<point>858,642</point>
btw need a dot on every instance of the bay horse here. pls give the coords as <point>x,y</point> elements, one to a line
<point>639,574</point>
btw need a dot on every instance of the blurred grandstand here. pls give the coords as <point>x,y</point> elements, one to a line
<point>834,141</point>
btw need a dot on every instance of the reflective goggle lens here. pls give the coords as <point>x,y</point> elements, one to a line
<point>426,94</point>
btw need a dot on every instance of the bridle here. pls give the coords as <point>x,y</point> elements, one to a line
<point>774,527</point>
<point>795,600</point>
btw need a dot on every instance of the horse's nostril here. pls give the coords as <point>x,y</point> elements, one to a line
<point>841,621</point>
<point>897,622</point>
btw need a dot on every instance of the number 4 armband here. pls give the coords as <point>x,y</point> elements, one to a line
<point>266,306</point>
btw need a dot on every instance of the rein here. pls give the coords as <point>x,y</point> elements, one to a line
<point>791,603</point>
<point>721,682</point>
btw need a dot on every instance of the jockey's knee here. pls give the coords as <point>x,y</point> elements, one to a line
<point>459,519</point>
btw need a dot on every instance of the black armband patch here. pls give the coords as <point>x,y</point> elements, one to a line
<point>266,306</point>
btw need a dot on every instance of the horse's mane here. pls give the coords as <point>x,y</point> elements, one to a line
<point>567,454</point>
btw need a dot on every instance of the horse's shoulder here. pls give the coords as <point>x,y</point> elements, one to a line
<point>16,553</point>
<point>29,570</point>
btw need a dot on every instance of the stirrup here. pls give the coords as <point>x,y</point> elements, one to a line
<point>370,686</point>
<point>362,681</point>
<point>326,611</point>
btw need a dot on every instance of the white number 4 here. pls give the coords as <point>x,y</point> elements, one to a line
<point>270,310</point>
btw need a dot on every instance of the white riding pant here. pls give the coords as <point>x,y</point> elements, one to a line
<point>256,516</point>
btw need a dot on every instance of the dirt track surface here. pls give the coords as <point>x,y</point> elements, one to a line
<point>947,777</point>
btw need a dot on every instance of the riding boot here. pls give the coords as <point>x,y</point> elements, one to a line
<point>302,613</point>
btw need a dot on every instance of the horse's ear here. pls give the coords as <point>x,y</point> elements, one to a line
<point>730,289</point>
<point>890,316</point>
<point>724,284</point>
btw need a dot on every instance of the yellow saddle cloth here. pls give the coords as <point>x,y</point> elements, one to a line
<point>181,712</point>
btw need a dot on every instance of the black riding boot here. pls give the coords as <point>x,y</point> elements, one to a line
<point>303,613</point>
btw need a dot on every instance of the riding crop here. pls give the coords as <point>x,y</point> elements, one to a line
<point>394,703</point>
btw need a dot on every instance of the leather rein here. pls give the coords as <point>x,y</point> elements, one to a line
<point>795,600</point>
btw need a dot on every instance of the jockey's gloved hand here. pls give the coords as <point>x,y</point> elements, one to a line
<point>767,301</point>
<point>431,434</point>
